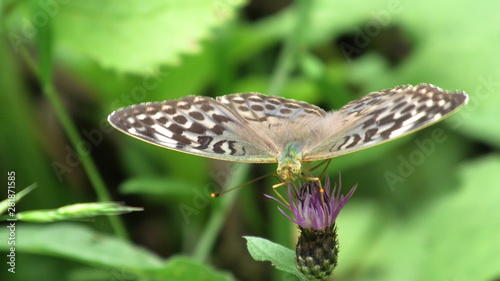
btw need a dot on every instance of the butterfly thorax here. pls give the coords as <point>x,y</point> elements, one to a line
<point>289,163</point>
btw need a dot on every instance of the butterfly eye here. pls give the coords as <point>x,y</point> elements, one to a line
<point>296,169</point>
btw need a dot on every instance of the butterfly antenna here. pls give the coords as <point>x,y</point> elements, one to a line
<point>214,195</point>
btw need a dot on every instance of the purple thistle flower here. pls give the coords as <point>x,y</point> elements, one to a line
<point>315,210</point>
<point>311,208</point>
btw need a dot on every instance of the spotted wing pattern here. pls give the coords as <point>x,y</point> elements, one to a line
<point>234,127</point>
<point>382,116</point>
<point>256,128</point>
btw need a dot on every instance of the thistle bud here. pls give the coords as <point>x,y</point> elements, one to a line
<point>317,252</point>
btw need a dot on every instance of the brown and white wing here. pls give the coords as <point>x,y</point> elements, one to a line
<point>382,116</point>
<point>246,127</point>
<point>196,125</point>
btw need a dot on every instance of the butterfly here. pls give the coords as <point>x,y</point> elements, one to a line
<point>255,128</point>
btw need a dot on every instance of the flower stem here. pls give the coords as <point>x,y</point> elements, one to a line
<point>44,73</point>
<point>219,214</point>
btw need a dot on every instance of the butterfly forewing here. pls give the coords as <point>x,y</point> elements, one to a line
<point>382,116</point>
<point>194,124</point>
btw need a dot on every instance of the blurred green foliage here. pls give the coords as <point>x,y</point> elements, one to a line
<point>425,208</point>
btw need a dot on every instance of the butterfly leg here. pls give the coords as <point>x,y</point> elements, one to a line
<point>275,189</point>
<point>327,161</point>
<point>316,179</point>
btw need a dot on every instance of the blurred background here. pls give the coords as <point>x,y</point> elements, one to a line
<point>426,207</point>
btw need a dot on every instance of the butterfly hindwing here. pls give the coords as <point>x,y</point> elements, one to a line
<point>265,111</point>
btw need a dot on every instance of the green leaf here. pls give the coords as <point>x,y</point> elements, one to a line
<point>465,227</point>
<point>80,243</point>
<point>177,268</point>
<point>135,36</point>
<point>182,268</point>
<point>444,63</point>
<point>76,211</point>
<point>454,236</point>
<point>439,53</point>
<point>282,258</point>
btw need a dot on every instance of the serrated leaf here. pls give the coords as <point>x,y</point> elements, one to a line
<point>135,36</point>
<point>282,258</point>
